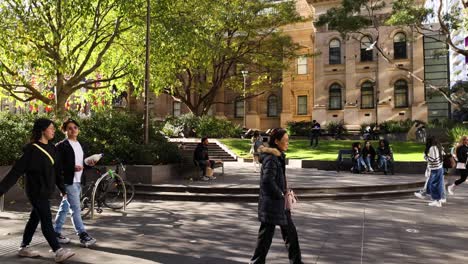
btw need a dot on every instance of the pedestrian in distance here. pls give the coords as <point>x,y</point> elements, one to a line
<point>40,165</point>
<point>435,185</point>
<point>271,205</point>
<point>315,133</point>
<point>461,152</point>
<point>368,154</point>
<point>257,142</point>
<point>72,155</point>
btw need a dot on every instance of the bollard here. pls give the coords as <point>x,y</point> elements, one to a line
<point>2,203</point>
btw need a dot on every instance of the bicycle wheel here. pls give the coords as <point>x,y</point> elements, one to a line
<point>114,193</point>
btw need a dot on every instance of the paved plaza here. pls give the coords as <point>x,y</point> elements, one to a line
<point>173,232</point>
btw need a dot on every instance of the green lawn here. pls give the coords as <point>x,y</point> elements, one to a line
<point>328,150</point>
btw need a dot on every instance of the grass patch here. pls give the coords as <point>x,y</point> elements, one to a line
<point>328,150</point>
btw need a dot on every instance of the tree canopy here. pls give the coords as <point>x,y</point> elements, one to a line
<point>198,47</point>
<point>65,46</point>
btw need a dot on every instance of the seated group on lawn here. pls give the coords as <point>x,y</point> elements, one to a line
<point>364,159</point>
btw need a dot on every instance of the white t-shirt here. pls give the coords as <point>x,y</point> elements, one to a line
<point>78,159</point>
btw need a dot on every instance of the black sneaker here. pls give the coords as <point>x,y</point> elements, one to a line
<point>62,239</point>
<point>86,240</point>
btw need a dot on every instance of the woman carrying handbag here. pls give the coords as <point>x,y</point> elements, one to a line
<point>272,205</point>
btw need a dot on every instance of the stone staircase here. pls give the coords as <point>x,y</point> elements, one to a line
<point>215,151</point>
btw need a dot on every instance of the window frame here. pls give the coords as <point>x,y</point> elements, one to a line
<point>366,55</point>
<point>174,108</point>
<point>334,53</point>
<point>302,63</point>
<point>239,100</point>
<point>299,112</point>
<point>400,50</point>
<point>270,107</point>
<point>367,86</point>
<point>401,85</point>
<point>339,88</point>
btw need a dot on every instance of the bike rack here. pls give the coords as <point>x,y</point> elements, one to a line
<point>95,190</point>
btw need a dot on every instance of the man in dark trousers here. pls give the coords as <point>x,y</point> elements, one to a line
<point>200,156</point>
<point>315,133</point>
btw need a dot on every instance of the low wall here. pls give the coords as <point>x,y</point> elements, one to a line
<point>15,194</point>
<point>148,174</point>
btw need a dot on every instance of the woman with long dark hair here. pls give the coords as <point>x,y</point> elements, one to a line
<point>271,205</point>
<point>39,163</point>
<point>435,186</point>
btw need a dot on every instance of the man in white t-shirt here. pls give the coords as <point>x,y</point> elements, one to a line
<point>72,156</point>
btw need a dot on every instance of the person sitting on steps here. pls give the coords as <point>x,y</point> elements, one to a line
<point>201,158</point>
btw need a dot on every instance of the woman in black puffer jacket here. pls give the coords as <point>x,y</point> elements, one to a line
<point>271,204</point>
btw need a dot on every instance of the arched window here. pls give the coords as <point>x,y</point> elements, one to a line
<point>335,52</point>
<point>272,106</point>
<point>367,95</point>
<point>335,97</point>
<point>366,49</point>
<point>399,46</point>
<point>401,93</point>
<point>239,107</point>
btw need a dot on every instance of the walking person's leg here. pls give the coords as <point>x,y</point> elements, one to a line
<point>436,185</point>
<point>291,241</point>
<point>60,219</point>
<point>42,207</point>
<point>28,233</point>
<point>73,194</point>
<point>265,236</point>
<point>462,179</point>
<point>316,139</point>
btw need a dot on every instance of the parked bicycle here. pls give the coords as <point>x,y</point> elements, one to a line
<point>106,190</point>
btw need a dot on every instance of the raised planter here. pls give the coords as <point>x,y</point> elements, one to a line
<point>15,194</point>
<point>149,174</point>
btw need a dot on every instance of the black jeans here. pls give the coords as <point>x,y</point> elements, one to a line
<point>265,236</point>
<point>314,137</point>
<point>40,213</point>
<point>463,175</point>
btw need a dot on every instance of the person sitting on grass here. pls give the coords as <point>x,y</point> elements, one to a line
<point>358,161</point>
<point>384,155</point>
<point>200,156</point>
<point>368,155</point>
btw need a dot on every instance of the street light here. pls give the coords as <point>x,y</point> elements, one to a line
<point>147,74</point>
<point>244,74</point>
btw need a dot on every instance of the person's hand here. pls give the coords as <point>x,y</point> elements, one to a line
<point>91,163</point>
<point>78,168</point>
<point>64,196</point>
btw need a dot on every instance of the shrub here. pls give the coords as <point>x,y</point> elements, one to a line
<point>457,132</point>
<point>365,125</point>
<point>337,128</point>
<point>116,134</point>
<point>209,126</point>
<point>442,123</point>
<point>394,126</point>
<point>301,128</point>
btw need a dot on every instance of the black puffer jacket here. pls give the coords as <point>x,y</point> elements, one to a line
<point>271,208</point>
<point>462,153</point>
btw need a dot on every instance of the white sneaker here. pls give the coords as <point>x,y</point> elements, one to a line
<point>205,178</point>
<point>435,203</point>
<point>62,239</point>
<point>443,200</point>
<point>451,189</point>
<point>63,254</point>
<point>28,252</point>
<point>419,195</point>
<point>371,170</point>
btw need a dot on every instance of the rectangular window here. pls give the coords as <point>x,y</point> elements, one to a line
<point>399,49</point>
<point>239,108</point>
<point>335,100</point>
<point>176,108</point>
<point>335,55</point>
<point>401,98</point>
<point>367,98</point>
<point>302,105</point>
<point>366,55</point>
<point>302,65</point>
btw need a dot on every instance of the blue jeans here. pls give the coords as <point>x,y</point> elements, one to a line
<point>360,162</point>
<point>72,204</point>
<point>368,162</point>
<point>383,163</point>
<point>435,185</point>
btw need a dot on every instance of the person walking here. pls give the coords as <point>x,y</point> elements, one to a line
<point>435,185</point>
<point>368,155</point>
<point>462,157</point>
<point>271,204</point>
<point>40,164</point>
<point>72,155</point>
<point>257,142</point>
<point>315,133</point>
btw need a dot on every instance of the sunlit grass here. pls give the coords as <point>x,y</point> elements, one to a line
<point>328,150</point>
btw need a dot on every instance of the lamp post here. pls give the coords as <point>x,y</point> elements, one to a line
<point>147,74</point>
<point>244,74</point>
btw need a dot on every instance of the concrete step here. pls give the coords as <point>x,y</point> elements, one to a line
<point>217,197</point>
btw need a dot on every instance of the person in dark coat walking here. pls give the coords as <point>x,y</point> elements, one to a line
<point>462,157</point>
<point>271,204</point>
<point>41,165</point>
<point>315,133</point>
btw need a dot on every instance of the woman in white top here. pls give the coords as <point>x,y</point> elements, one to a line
<point>433,156</point>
